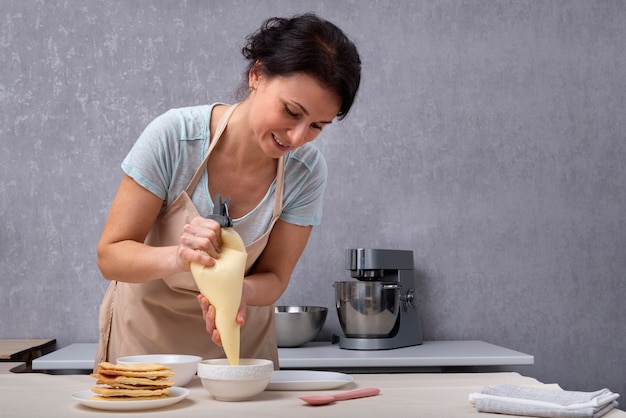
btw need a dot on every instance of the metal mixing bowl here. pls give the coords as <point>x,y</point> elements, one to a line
<point>297,325</point>
<point>367,309</point>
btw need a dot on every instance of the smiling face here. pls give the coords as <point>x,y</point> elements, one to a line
<point>287,112</point>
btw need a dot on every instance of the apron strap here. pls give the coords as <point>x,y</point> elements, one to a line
<point>280,186</point>
<point>218,133</point>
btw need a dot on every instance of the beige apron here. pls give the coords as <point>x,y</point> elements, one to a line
<point>163,316</point>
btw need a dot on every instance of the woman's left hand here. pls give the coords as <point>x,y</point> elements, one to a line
<point>200,242</point>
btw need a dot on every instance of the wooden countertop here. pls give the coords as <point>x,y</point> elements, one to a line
<point>12,349</point>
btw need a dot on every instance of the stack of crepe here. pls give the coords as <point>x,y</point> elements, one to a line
<point>145,381</point>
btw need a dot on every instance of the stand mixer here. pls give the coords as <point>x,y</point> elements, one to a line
<point>378,312</point>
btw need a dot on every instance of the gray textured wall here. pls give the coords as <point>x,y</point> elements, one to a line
<point>488,138</point>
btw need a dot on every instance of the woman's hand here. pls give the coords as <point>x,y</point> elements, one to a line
<point>200,242</point>
<point>208,313</point>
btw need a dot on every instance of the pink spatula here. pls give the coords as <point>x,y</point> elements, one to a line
<point>326,399</point>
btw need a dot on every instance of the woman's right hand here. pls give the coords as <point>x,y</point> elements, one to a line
<point>208,313</point>
<point>200,242</point>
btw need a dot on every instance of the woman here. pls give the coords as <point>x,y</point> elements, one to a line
<point>303,73</point>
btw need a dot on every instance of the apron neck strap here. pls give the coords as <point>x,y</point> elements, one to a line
<point>280,186</point>
<point>221,126</point>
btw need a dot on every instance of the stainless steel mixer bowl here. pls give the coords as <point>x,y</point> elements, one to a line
<point>367,309</point>
<point>297,325</point>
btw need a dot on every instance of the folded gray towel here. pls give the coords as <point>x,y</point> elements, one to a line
<point>545,403</point>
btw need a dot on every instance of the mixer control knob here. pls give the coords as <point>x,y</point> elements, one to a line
<point>410,295</point>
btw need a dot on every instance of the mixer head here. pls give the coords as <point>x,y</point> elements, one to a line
<point>369,264</point>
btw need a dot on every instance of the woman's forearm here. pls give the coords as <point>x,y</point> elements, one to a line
<point>135,262</point>
<point>263,289</point>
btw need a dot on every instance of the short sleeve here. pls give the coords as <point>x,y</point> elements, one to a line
<point>151,160</point>
<point>305,183</point>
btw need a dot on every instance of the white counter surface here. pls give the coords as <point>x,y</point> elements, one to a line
<point>405,394</point>
<point>324,355</point>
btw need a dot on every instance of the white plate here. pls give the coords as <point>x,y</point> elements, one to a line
<point>176,395</point>
<point>307,380</point>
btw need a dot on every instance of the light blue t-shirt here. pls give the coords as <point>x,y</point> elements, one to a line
<point>172,147</point>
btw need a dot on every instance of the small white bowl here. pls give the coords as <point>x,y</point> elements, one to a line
<point>185,366</point>
<point>235,383</point>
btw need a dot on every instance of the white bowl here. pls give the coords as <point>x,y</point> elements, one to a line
<point>185,366</point>
<point>235,383</point>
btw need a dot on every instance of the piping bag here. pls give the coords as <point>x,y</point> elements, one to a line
<point>222,283</point>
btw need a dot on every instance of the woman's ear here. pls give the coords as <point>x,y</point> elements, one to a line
<point>254,76</point>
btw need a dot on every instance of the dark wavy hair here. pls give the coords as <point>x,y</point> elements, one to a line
<point>307,44</point>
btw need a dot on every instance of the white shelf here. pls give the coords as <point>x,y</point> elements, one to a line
<point>79,356</point>
<point>324,355</point>
<point>321,355</point>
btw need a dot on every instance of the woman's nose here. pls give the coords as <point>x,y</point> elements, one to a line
<point>301,134</point>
